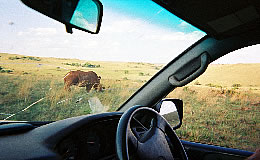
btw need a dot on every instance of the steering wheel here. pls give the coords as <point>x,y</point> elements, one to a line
<point>157,141</point>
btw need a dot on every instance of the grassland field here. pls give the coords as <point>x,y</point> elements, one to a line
<point>221,107</point>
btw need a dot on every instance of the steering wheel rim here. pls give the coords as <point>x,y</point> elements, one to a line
<point>159,142</point>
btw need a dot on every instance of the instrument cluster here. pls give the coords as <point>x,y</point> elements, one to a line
<point>93,141</point>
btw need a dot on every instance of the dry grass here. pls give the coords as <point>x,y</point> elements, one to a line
<point>221,107</point>
<point>222,117</point>
<point>25,88</point>
<point>248,75</point>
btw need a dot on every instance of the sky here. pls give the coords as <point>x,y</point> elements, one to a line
<point>131,31</point>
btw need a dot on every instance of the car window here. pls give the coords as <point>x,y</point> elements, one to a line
<point>221,107</point>
<point>37,56</point>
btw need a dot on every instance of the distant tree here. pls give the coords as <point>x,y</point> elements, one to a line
<point>141,74</point>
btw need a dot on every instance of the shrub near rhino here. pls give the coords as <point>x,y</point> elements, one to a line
<point>25,58</point>
<point>88,65</point>
<point>2,70</point>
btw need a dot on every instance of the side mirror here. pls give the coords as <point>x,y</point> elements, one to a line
<point>172,111</point>
<point>85,15</point>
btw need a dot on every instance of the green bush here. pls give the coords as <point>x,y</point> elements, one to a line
<point>33,58</point>
<point>66,63</point>
<point>197,83</point>
<point>214,85</point>
<point>13,58</point>
<point>157,68</point>
<point>76,64</point>
<point>90,65</point>
<point>186,88</point>
<point>28,58</point>
<point>82,65</point>
<point>141,74</point>
<point>6,71</point>
<point>236,85</point>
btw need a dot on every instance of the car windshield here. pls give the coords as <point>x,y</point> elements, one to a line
<point>37,56</point>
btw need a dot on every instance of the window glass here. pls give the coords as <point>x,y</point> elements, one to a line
<point>221,107</point>
<point>136,39</point>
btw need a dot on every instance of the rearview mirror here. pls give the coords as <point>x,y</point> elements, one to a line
<point>84,15</point>
<point>172,111</point>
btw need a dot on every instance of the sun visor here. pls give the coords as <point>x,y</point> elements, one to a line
<point>234,20</point>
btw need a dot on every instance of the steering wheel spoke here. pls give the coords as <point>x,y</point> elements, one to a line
<point>132,138</point>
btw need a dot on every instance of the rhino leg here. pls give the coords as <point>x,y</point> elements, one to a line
<point>88,87</point>
<point>67,87</point>
<point>96,86</point>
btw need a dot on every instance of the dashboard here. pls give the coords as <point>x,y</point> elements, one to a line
<point>84,137</point>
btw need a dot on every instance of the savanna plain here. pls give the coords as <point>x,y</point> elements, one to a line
<point>222,107</point>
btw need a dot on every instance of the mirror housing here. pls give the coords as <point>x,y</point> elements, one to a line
<point>172,111</point>
<point>85,15</point>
